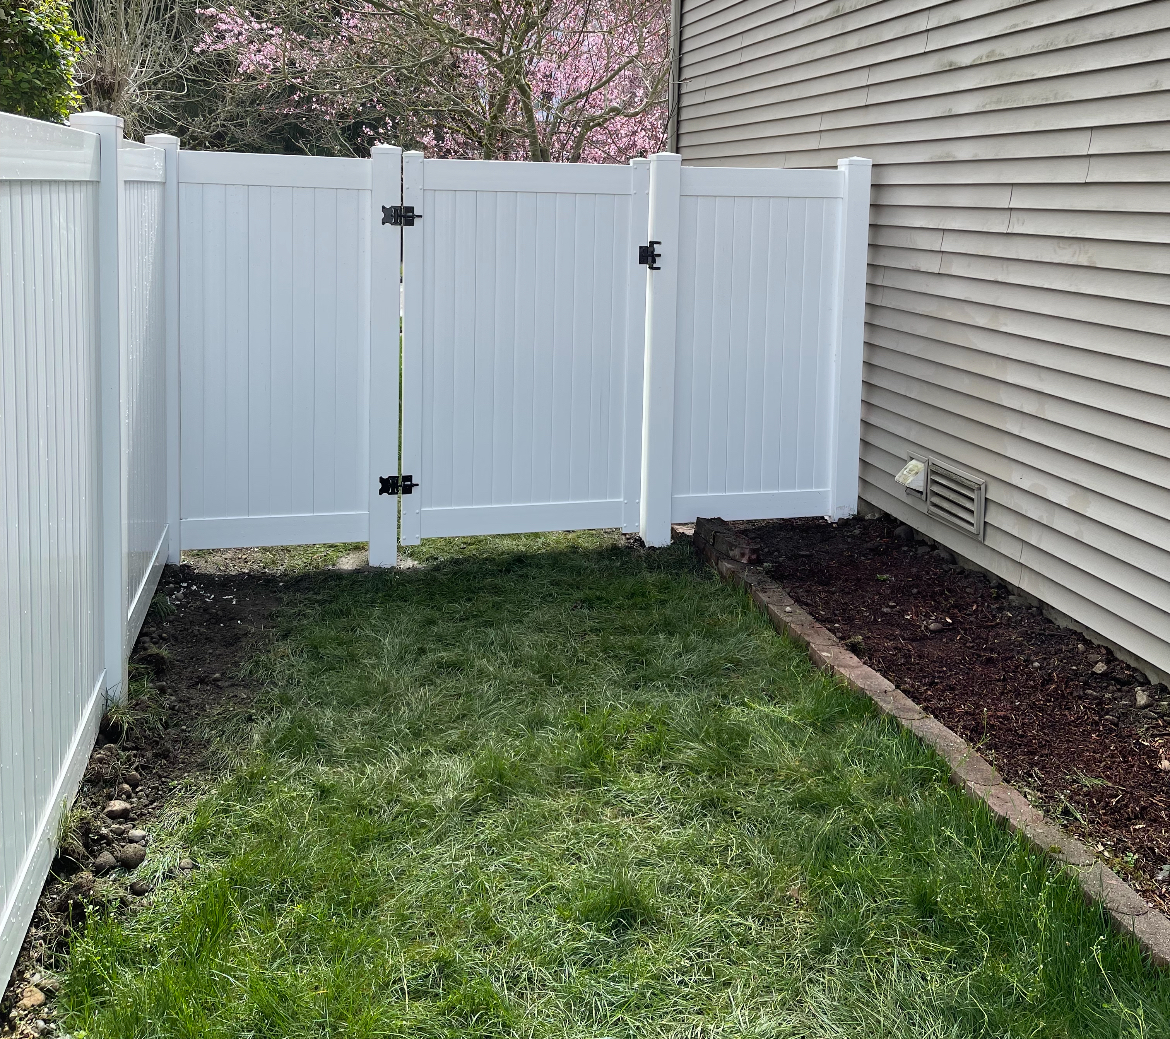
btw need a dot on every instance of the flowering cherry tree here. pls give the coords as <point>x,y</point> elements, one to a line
<point>544,80</point>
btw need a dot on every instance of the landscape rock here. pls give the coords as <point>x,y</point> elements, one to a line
<point>103,864</point>
<point>131,856</point>
<point>31,998</point>
<point>936,626</point>
<point>137,836</point>
<point>1143,698</point>
<point>133,780</point>
<point>117,810</point>
<point>943,555</point>
<point>141,887</point>
<point>124,790</point>
<point>904,533</point>
<point>186,863</point>
<point>1099,668</point>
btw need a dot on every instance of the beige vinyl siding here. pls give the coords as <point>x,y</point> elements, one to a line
<point>1019,282</point>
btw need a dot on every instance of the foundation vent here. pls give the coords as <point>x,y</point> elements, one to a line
<point>955,498</point>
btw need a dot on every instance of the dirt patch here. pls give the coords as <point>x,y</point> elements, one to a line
<point>1084,735</point>
<point>185,669</point>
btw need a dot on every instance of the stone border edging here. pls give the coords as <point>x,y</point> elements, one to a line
<point>733,557</point>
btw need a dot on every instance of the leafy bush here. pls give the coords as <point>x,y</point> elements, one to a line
<point>38,49</point>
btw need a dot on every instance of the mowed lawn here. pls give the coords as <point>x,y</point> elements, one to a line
<point>551,786</point>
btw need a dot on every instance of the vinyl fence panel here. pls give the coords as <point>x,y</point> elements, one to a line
<point>143,368</point>
<point>52,662</point>
<point>760,347</point>
<point>274,345</point>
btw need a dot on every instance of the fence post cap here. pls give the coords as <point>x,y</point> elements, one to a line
<point>95,119</point>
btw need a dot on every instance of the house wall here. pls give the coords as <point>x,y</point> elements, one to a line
<point>1017,309</point>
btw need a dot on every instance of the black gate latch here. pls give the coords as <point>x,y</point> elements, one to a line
<point>400,216</point>
<point>392,484</point>
<point>650,256</point>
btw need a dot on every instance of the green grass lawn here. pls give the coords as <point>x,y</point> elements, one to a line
<point>548,786</point>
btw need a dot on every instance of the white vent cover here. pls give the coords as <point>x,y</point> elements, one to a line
<point>955,498</point>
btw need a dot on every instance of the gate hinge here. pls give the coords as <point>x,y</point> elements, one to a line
<point>650,256</point>
<point>400,216</point>
<point>394,484</point>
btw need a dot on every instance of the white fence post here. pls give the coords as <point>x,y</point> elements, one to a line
<point>661,318</point>
<point>110,202</point>
<point>850,335</point>
<point>385,352</point>
<point>170,147</point>
<point>413,257</point>
<point>635,348</point>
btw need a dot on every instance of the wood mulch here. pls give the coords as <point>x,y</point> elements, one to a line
<point>1085,736</point>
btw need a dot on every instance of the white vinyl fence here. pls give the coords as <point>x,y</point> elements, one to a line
<point>206,350</point>
<point>83,460</point>
<point>274,324</point>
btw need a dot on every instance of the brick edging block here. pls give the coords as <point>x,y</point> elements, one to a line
<point>733,556</point>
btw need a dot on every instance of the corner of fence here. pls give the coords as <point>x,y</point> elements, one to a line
<point>853,248</point>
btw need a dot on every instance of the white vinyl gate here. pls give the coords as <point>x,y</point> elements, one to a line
<point>549,381</point>
<point>524,315</point>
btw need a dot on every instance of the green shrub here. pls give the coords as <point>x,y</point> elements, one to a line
<point>38,49</point>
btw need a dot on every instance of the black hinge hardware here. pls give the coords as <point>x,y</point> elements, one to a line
<point>393,484</point>
<point>650,256</point>
<point>400,216</point>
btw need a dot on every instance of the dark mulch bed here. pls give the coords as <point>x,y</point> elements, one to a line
<point>1082,733</point>
<point>191,659</point>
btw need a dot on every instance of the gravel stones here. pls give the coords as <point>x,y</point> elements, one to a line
<point>31,998</point>
<point>117,810</point>
<point>130,856</point>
